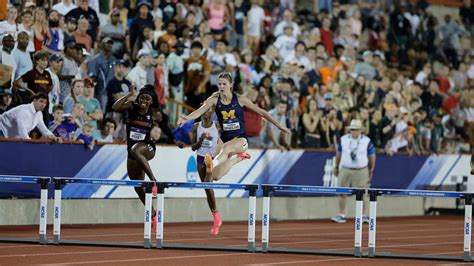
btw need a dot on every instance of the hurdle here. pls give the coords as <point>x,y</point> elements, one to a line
<point>374,193</point>
<point>160,203</point>
<point>267,191</point>
<point>43,210</point>
<point>60,182</point>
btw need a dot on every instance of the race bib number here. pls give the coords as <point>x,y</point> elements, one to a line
<point>137,134</point>
<point>231,126</point>
<point>206,143</point>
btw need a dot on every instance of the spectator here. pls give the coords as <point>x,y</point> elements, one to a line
<point>326,35</point>
<point>161,79</point>
<point>88,14</point>
<point>170,36</point>
<point>86,136</point>
<point>423,74</point>
<point>197,75</point>
<point>69,71</point>
<point>272,137</point>
<point>218,16</point>
<point>19,121</point>
<point>175,66</point>
<point>69,29</point>
<point>287,21</point>
<point>5,100</point>
<point>100,67</point>
<point>76,91</point>
<point>7,59</point>
<point>9,26</point>
<point>64,6</point>
<point>80,35</point>
<point>399,141</point>
<point>42,37</point>
<point>431,98</point>
<point>221,61</point>
<point>143,18</point>
<point>56,32</point>
<point>27,26</point>
<point>286,43</point>
<point>253,121</point>
<point>144,41</point>
<point>37,80</point>
<point>92,109</point>
<point>314,125</point>
<point>239,23</point>
<point>115,31</point>
<point>138,75</point>
<point>450,32</point>
<point>443,81</point>
<point>116,88</point>
<point>22,56</point>
<point>255,20</point>
<point>106,131</point>
<point>375,129</point>
<point>64,125</point>
<point>365,68</point>
<point>55,64</point>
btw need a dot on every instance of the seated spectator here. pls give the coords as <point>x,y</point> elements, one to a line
<point>431,98</point>
<point>92,109</point>
<point>5,100</point>
<point>115,31</point>
<point>86,137</point>
<point>170,36</point>
<point>286,43</point>
<point>72,98</point>
<point>365,68</point>
<point>57,34</point>
<point>62,125</point>
<point>42,37</point>
<point>138,75</point>
<point>106,131</point>
<point>19,121</point>
<point>7,61</point>
<point>80,35</point>
<point>22,55</point>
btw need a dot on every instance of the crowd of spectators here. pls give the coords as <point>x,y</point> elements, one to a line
<point>406,73</point>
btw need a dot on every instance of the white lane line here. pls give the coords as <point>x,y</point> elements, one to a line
<point>304,261</point>
<point>71,253</point>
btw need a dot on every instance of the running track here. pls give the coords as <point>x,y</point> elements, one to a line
<point>418,235</point>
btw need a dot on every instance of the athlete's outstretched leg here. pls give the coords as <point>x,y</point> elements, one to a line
<point>143,152</point>
<point>224,161</point>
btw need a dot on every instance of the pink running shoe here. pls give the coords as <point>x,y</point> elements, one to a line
<point>217,223</point>
<point>154,191</point>
<point>154,221</point>
<point>243,156</point>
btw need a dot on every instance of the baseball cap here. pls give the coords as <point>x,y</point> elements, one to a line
<point>107,39</point>
<point>143,52</point>
<point>120,62</point>
<point>328,96</point>
<point>6,92</point>
<point>71,20</point>
<point>141,3</point>
<point>55,57</point>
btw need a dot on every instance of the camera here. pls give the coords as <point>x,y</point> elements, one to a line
<point>353,156</point>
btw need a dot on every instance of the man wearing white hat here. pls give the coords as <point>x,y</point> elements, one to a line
<point>355,162</point>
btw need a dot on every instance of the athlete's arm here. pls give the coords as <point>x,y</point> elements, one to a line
<point>164,125</point>
<point>212,100</point>
<point>125,102</point>
<point>244,101</point>
<point>195,143</point>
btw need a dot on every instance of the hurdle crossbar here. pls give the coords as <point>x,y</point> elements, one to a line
<point>267,191</point>
<point>60,182</point>
<point>160,201</point>
<point>43,210</point>
<point>374,193</point>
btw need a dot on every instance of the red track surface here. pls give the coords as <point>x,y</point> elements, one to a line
<point>417,235</point>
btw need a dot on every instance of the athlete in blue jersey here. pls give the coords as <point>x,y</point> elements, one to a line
<point>229,110</point>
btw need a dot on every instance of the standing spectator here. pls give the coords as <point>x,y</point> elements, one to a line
<point>161,79</point>
<point>27,26</point>
<point>89,14</point>
<point>375,129</point>
<point>255,20</point>
<point>138,75</point>
<point>55,64</point>
<point>272,136</point>
<point>7,60</point>
<point>81,36</point>
<point>388,123</point>
<point>286,43</point>
<point>314,125</point>
<point>42,37</point>
<point>22,56</point>
<point>56,32</point>
<point>332,130</point>
<point>106,131</point>
<point>221,61</point>
<point>423,74</point>
<point>239,22</point>
<point>197,75</point>
<point>69,29</point>
<point>170,36</point>
<point>326,35</point>
<point>144,41</point>
<point>355,162</point>
<point>100,67</point>
<point>218,15</point>
<point>444,81</point>
<point>76,91</point>
<point>365,68</point>
<point>287,21</point>
<point>92,109</point>
<point>19,121</point>
<point>117,88</point>
<point>253,121</point>
<point>69,71</point>
<point>143,18</point>
<point>450,32</point>
<point>175,66</point>
<point>9,26</point>
<point>5,100</point>
<point>431,98</point>
<point>115,30</point>
<point>64,6</point>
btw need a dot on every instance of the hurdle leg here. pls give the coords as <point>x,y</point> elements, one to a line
<point>251,220</point>
<point>358,223</point>
<point>372,222</point>
<point>265,219</point>
<point>57,211</point>
<point>148,214</point>
<point>467,227</point>
<point>43,239</point>
<point>160,212</point>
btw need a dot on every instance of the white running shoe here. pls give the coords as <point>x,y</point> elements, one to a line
<point>340,219</point>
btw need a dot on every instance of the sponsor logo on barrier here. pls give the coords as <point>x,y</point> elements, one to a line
<point>56,213</point>
<point>265,220</point>
<point>147,216</point>
<point>251,219</point>
<point>372,224</point>
<point>357,223</point>
<point>42,212</point>
<point>467,229</point>
<point>159,216</point>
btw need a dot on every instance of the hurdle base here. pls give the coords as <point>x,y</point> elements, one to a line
<point>416,256</point>
<point>371,252</point>
<point>56,240</point>
<point>43,239</point>
<point>100,244</point>
<point>265,247</point>
<point>19,240</point>
<point>358,252</point>
<point>251,247</point>
<point>147,243</point>
<point>159,244</point>
<point>310,252</point>
<point>213,248</point>
<point>467,256</point>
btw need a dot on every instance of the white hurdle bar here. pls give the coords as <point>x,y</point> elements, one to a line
<point>374,193</point>
<point>251,244</point>
<point>267,189</point>
<point>59,182</point>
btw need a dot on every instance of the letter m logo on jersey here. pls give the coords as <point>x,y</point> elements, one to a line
<point>228,115</point>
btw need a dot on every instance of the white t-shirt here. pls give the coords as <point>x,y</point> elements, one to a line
<point>63,9</point>
<point>285,45</point>
<point>137,76</point>
<point>280,28</point>
<point>9,60</point>
<point>256,16</point>
<point>218,63</point>
<point>7,28</point>
<point>31,34</point>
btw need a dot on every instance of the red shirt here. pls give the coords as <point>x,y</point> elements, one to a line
<point>326,38</point>
<point>160,86</point>
<point>449,104</point>
<point>253,123</point>
<point>443,84</point>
